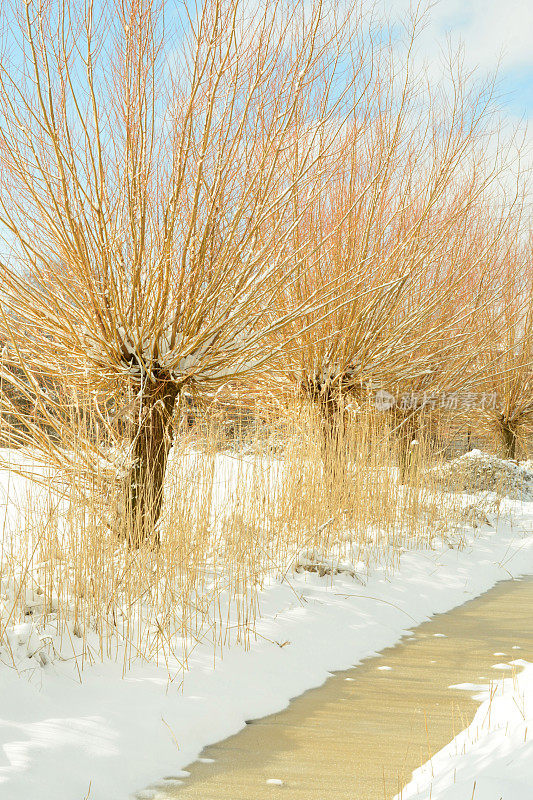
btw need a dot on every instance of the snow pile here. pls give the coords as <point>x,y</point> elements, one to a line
<point>42,639</point>
<point>315,560</point>
<point>490,760</point>
<point>480,472</point>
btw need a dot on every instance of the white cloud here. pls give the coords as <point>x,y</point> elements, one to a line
<point>490,29</point>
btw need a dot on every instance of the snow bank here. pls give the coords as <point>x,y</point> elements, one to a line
<point>481,472</point>
<point>492,759</point>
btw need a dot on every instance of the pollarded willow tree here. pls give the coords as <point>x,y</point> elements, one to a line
<point>389,227</point>
<point>439,374</point>
<point>504,367</point>
<point>148,209</point>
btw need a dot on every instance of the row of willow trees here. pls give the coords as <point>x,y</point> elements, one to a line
<point>209,198</point>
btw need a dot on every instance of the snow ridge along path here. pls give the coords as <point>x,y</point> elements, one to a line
<point>492,759</point>
<point>110,736</point>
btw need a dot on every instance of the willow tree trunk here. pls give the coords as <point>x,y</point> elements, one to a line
<point>151,446</point>
<point>408,452</point>
<point>509,439</point>
<point>333,444</point>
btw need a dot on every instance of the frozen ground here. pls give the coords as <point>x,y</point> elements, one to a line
<point>102,733</point>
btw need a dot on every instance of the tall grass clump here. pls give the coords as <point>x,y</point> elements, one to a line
<point>235,517</point>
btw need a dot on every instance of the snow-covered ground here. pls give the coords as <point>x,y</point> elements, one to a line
<point>75,728</point>
<point>114,733</point>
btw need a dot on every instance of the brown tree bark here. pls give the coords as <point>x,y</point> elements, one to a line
<point>509,439</point>
<point>407,428</point>
<point>333,444</point>
<point>145,483</point>
<point>332,421</point>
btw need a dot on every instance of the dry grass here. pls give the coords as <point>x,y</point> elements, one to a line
<point>236,516</point>
<point>293,207</point>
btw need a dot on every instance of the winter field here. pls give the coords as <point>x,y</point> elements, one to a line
<point>266,319</point>
<point>112,681</point>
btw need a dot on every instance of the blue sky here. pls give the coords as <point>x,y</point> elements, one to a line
<point>495,34</point>
<point>517,90</point>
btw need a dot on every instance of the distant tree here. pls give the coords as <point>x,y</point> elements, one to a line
<point>505,363</point>
<point>393,229</point>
